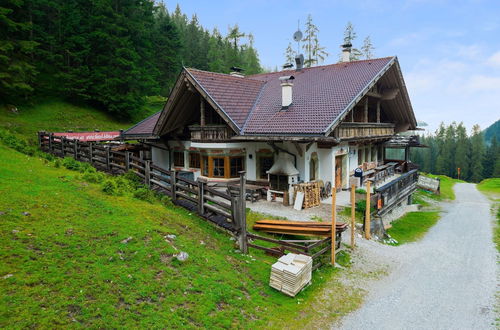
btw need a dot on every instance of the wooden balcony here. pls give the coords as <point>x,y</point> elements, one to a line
<point>210,133</point>
<point>352,131</point>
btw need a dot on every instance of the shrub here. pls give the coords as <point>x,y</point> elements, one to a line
<point>71,164</point>
<point>109,187</point>
<point>134,180</point>
<point>361,206</point>
<point>145,194</point>
<point>360,191</point>
<point>93,176</point>
<point>57,163</point>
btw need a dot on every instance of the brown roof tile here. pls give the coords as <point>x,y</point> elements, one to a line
<point>144,127</point>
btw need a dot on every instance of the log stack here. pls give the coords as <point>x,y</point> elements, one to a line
<point>302,228</point>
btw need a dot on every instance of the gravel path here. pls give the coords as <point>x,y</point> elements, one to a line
<point>445,281</point>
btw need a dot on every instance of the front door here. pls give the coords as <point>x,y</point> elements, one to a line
<point>338,173</point>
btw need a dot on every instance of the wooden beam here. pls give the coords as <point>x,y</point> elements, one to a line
<point>366,110</point>
<point>309,146</point>
<point>202,111</point>
<point>299,148</point>
<point>334,201</point>
<point>378,111</point>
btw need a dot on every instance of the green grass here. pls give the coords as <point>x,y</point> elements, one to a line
<point>66,264</point>
<point>56,116</point>
<point>412,226</point>
<point>490,186</point>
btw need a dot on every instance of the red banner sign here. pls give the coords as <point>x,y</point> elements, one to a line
<point>90,136</point>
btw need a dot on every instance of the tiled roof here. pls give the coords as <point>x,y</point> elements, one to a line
<point>320,94</point>
<point>144,127</point>
<point>253,103</point>
<point>235,95</point>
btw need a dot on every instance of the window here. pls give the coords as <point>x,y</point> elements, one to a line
<point>236,164</point>
<point>218,167</point>
<point>179,158</point>
<point>204,170</point>
<point>265,163</point>
<point>194,160</point>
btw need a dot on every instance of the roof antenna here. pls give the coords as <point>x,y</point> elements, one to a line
<point>299,58</point>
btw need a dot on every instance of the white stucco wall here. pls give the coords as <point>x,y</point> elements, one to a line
<point>160,157</point>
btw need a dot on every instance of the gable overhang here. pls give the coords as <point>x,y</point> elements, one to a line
<point>401,85</point>
<point>185,77</point>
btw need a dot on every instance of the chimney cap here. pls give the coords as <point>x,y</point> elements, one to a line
<point>237,69</point>
<point>346,45</point>
<point>287,65</point>
<point>285,78</point>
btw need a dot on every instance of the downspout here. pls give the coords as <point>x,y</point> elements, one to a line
<point>277,149</point>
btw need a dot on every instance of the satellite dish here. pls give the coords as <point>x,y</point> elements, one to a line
<point>297,36</point>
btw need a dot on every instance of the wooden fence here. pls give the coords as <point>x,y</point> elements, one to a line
<point>225,209</point>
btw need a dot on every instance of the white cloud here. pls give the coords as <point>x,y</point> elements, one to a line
<point>484,83</point>
<point>494,60</point>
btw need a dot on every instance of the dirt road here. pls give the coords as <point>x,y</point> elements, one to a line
<point>445,281</point>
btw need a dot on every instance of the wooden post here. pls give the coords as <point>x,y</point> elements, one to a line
<point>147,173</point>
<point>40,139</point>
<point>366,109</point>
<point>90,153</point>
<point>127,161</point>
<point>243,216</point>
<point>201,199</point>
<point>368,234</point>
<point>378,111</point>
<point>75,148</point>
<point>51,140</point>
<point>108,166</point>
<point>62,145</point>
<point>334,209</point>
<point>202,111</point>
<point>353,213</point>
<point>173,182</point>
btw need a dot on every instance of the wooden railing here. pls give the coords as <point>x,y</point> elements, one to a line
<point>347,131</point>
<point>210,133</point>
<point>396,191</point>
<point>209,203</point>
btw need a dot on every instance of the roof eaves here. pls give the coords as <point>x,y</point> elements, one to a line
<point>142,121</point>
<point>358,97</point>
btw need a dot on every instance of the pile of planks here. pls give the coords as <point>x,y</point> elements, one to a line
<point>291,273</point>
<point>312,193</point>
<point>303,228</point>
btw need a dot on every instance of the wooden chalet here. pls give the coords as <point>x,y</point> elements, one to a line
<point>318,123</point>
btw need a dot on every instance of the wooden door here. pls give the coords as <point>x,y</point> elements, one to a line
<point>338,173</point>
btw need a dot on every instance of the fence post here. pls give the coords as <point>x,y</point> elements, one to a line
<point>51,138</point>
<point>243,214</point>
<point>147,173</point>
<point>108,155</point>
<point>201,199</point>
<point>368,234</point>
<point>62,146</point>
<point>353,213</point>
<point>40,134</point>
<point>334,220</point>
<point>75,146</point>
<point>173,182</point>
<point>127,161</point>
<point>91,156</point>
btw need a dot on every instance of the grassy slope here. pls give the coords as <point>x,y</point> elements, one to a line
<point>56,116</point>
<point>69,267</point>
<point>413,226</point>
<point>491,187</point>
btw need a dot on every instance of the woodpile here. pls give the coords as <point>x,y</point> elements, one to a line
<point>301,228</point>
<point>291,273</point>
<point>312,193</point>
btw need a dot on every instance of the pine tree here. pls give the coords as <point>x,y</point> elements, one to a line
<point>462,151</point>
<point>235,35</point>
<point>477,154</point>
<point>16,70</point>
<point>289,54</point>
<point>490,159</point>
<point>315,53</point>
<point>441,160</point>
<point>349,36</point>
<point>367,49</point>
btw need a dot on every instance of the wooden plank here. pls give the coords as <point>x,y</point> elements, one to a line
<point>137,166</point>
<point>283,243</point>
<point>186,196</point>
<point>218,193</point>
<point>160,184</point>
<point>186,180</point>
<point>218,202</point>
<point>117,165</point>
<point>322,251</point>
<point>159,177</point>
<point>217,210</point>
<point>186,188</point>
<point>160,169</point>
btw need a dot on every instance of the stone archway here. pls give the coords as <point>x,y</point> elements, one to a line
<point>313,167</point>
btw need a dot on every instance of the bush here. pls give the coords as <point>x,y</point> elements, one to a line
<point>360,191</point>
<point>134,180</point>
<point>57,163</point>
<point>361,206</point>
<point>93,176</point>
<point>145,194</point>
<point>109,187</point>
<point>71,164</point>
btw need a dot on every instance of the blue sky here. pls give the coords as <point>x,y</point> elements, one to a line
<point>449,51</point>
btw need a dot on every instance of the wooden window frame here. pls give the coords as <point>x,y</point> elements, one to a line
<point>242,168</point>
<point>259,166</point>
<point>175,159</point>
<point>208,161</point>
<point>195,162</point>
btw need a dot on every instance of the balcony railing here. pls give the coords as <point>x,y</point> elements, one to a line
<point>348,131</point>
<point>395,191</point>
<point>212,133</point>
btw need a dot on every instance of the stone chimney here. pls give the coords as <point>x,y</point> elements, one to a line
<point>237,72</point>
<point>286,91</point>
<point>346,52</point>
